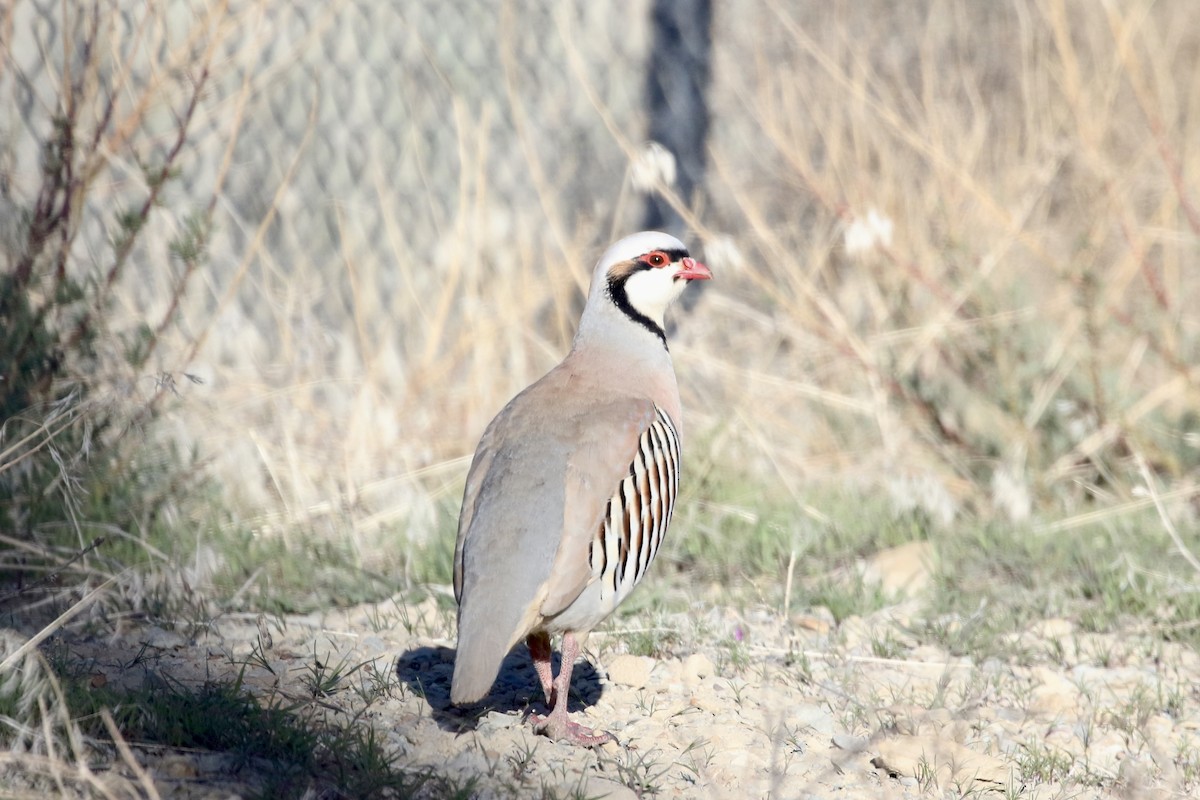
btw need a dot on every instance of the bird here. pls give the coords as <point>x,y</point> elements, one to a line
<point>573,484</point>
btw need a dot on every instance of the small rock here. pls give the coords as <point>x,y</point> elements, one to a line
<point>644,732</point>
<point>697,667</point>
<point>1136,776</point>
<point>160,638</point>
<point>850,764</point>
<point>627,670</point>
<point>179,768</point>
<point>373,644</point>
<point>929,653</point>
<point>849,742</point>
<point>706,700</point>
<point>1053,628</point>
<point>738,750</point>
<point>498,720</point>
<point>669,671</point>
<point>604,789</point>
<point>467,762</point>
<point>1054,696</point>
<point>1106,753</point>
<point>993,666</point>
<point>669,710</point>
<point>902,717</point>
<point>1009,714</point>
<point>1159,731</point>
<point>812,623</point>
<point>728,735</point>
<point>904,570</point>
<point>985,713</point>
<point>856,633</point>
<point>951,763</point>
<point>810,717</point>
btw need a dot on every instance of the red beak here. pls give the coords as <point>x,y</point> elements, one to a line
<point>693,270</point>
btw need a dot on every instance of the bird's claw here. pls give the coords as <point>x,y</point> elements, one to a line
<point>572,732</point>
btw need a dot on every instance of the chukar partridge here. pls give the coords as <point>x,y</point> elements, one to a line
<point>573,484</point>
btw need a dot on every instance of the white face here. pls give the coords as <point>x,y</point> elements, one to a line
<point>638,277</point>
<point>650,291</point>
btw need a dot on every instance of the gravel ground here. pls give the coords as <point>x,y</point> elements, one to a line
<point>740,704</point>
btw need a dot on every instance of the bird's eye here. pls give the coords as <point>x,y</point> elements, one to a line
<point>657,260</point>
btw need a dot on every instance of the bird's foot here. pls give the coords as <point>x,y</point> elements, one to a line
<point>563,730</point>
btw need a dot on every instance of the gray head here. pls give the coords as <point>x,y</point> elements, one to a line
<point>633,283</point>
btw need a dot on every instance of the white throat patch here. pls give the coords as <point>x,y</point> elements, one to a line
<point>650,291</point>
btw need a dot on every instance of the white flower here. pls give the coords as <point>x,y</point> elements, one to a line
<point>654,166</point>
<point>722,254</point>
<point>865,234</point>
<point>1010,494</point>
<point>924,491</point>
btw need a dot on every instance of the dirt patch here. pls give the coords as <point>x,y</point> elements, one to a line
<point>751,704</point>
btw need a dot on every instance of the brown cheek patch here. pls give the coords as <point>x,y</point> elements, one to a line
<point>620,272</point>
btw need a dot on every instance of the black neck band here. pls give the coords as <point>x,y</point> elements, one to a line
<point>620,298</point>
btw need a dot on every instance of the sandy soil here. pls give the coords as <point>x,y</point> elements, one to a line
<point>739,704</point>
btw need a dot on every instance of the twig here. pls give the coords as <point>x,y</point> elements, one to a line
<point>157,180</point>
<point>127,755</point>
<point>99,540</point>
<point>47,631</point>
<point>1127,507</point>
<point>787,590</point>
<point>1162,513</point>
<point>6,464</point>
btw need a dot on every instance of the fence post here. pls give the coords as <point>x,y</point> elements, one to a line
<point>677,79</point>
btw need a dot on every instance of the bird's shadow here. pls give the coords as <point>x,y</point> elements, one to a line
<point>426,671</point>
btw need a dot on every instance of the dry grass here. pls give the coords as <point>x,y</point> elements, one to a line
<point>1028,317</point>
<point>1022,333</point>
<point>953,246</point>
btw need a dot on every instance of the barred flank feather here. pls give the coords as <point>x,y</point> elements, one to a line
<point>638,513</point>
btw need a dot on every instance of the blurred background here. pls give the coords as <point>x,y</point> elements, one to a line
<point>270,267</point>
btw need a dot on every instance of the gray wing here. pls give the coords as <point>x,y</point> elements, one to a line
<point>535,495</point>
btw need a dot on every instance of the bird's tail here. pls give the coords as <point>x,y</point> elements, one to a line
<point>483,642</point>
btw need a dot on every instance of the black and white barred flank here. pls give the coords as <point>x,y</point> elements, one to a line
<point>638,514</point>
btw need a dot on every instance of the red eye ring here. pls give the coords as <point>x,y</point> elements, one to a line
<point>657,260</point>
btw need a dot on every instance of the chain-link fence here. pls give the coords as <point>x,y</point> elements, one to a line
<point>385,172</point>
<point>410,98</point>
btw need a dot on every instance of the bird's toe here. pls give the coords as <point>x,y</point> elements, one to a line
<point>561,730</point>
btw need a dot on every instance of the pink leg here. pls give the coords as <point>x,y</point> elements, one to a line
<point>539,651</point>
<point>555,724</point>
